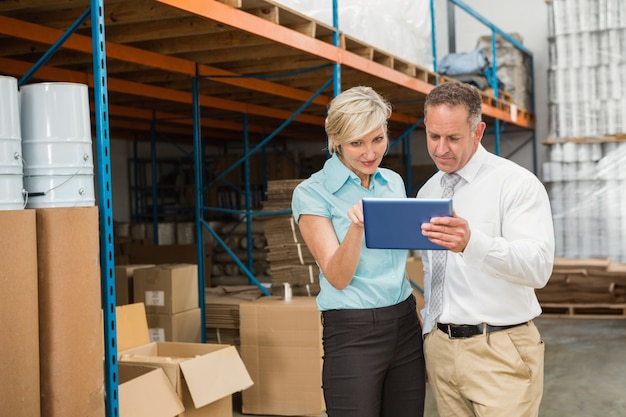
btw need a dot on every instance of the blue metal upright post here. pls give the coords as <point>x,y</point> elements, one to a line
<point>105,205</point>
<point>494,86</point>
<point>197,146</point>
<point>337,66</point>
<point>136,193</point>
<point>433,37</point>
<point>494,67</point>
<point>408,163</point>
<point>155,184</point>
<point>490,25</point>
<point>248,192</point>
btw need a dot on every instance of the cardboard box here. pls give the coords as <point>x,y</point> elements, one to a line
<point>204,376</point>
<point>146,252</point>
<point>19,314</point>
<point>167,288</point>
<point>179,327</point>
<point>415,271</point>
<point>281,345</point>
<point>145,391</point>
<point>124,282</point>
<point>71,342</point>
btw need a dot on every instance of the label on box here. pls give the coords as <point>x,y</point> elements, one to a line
<point>157,334</point>
<point>155,298</point>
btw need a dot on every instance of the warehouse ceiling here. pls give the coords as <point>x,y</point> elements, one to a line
<point>258,66</point>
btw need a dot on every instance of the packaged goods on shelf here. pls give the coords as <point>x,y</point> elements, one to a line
<point>303,279</point>
<point>585,288</point>
<point>586,73</point>
<point>222,311</point>
<point>124,275</point>
<point>167,288</point>
<point>290,261</point>
<point>513,68</point>
<point>406,20</point>
<point>177,327</point>
<point>585,182</point>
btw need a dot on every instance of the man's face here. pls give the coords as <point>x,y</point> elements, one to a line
<point>450,139</point>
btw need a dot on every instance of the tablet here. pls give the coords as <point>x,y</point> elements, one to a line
<point>396,223</point>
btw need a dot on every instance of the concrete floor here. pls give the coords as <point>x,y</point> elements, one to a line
<point>585,369</point>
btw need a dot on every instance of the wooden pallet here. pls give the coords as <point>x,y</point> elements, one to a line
<point>503,95</point>
<point>584,311</point>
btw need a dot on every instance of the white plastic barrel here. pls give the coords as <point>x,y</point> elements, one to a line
<point>57,145</point>
<point>10,133</point>
<point>11,197</point>
<point>59,191</point>
<point>11,173</point>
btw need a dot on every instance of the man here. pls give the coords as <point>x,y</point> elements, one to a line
<point>484,355</point>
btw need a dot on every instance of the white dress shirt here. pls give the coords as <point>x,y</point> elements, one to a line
<point>511,247</point>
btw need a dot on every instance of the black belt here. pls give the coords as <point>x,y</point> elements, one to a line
<point>459,331</point>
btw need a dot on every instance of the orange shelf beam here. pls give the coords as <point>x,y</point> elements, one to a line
<point>15,67</point>
<point>45,35</point>
<point>247,22</point>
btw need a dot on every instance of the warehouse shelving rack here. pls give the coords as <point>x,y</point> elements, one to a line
<point>165,60</point>
<point>493,79</point>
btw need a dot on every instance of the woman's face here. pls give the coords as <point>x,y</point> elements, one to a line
<point>363,156</point>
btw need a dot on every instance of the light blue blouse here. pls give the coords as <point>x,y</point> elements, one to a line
<point>379,280</point>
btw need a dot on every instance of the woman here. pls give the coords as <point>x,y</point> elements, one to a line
<point>373,359</point>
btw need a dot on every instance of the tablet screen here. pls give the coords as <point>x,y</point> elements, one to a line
<point>396,223</point>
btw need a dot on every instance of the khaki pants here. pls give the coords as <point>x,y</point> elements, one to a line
<point>496,374</point>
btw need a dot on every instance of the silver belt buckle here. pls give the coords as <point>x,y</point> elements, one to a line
<point>449,331</point>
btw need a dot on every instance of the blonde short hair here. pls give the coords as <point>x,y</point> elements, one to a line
<point>353,114</point>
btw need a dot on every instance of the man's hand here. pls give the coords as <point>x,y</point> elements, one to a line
<point>452,233</point>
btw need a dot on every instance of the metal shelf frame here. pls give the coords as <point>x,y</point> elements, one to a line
<point>493,81</point>
<point>103,166</point>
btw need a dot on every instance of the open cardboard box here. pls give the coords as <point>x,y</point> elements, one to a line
<point>145,391</point>
<point>203,375</point>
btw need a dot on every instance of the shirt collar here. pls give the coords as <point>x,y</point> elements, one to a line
<point>471,168</point>
<point>337,174</point>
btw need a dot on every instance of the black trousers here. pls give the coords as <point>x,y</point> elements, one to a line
<point>374,362</point>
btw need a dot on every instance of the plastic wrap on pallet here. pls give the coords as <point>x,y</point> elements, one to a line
<point>513,67</point>
<point>380,24</point>
<point>587,68</point>
<point>586,183</point>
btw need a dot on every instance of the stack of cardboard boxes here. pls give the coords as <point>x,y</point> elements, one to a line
<point>124,282</point>
<point>170,295</point>
<point>50,315</point>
